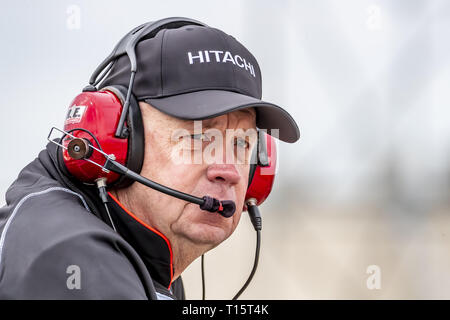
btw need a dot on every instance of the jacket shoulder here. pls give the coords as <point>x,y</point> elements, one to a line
<point>52,247</point>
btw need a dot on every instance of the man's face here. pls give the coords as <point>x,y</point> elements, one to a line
<point>195,162</point>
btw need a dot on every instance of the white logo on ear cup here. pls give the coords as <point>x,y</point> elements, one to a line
<point>75,114</point>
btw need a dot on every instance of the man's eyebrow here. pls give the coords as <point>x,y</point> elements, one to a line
<point>248,111</point>
<point>209,123</point>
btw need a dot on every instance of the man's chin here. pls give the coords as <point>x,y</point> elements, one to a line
<point>205,230</point>
<point>206,233</point>
<point>203,227</point>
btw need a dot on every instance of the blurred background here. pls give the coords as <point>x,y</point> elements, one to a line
<point>360,206</point>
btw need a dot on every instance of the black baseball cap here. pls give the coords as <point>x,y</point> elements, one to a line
<point>197,72</point>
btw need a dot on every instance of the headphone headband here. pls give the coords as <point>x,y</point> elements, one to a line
<point>145,31</point>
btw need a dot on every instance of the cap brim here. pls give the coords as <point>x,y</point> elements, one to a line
<point>212,103</point>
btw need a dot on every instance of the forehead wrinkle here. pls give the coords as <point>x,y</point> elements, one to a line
<point>210,123</point>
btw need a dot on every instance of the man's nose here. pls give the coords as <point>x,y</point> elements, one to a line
<point>225,173</point>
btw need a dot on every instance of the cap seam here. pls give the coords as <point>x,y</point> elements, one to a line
<point>161,61</point>
<point>227,45</point>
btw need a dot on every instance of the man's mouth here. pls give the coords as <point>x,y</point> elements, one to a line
<point>210,218</point>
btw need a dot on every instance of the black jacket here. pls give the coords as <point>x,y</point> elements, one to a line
<point>56,243</point>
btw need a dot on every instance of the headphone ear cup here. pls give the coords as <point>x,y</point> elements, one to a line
<point>135,127</point>
<point>262,171</point>
<point>92,116</point>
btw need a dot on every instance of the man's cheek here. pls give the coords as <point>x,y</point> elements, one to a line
<point>242,190</point>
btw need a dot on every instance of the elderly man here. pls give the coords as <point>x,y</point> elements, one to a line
<point>59,240</point>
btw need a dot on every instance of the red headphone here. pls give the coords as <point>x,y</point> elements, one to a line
<point>98,115</point>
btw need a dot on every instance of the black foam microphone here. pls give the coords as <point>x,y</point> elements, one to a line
<point>226,207</point>
<point>80,148</point>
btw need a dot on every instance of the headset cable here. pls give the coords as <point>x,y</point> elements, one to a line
<point>255,218</point>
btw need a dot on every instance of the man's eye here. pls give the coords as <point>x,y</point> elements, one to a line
<point>242,143</point>
<point>200,136</point>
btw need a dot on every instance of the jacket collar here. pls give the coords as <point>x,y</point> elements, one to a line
<point>153,247</point>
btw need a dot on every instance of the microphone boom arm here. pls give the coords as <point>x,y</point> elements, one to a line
<point>226,207</point>
<point>81,149</point>
<point>122,170</point>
